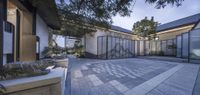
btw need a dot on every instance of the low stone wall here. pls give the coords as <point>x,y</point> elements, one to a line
<point>50,84</point>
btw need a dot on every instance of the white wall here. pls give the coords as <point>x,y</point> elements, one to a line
<point>70,42</point>
<point>91,41</point>
<point>8,37</point>
<point>42,32</point>
<point>7,45</point>
<point>60,40</point>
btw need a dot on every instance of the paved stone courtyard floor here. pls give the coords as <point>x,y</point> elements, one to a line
<point>132,76</point>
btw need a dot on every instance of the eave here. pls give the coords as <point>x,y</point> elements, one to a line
<point>47,9</point>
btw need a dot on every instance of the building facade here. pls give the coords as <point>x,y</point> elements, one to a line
<point>172,29</point>
<point>173,40</point>
<point>24,28</point>
<point>92,43</point>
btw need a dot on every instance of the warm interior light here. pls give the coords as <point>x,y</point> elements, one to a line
<point>156,38</point>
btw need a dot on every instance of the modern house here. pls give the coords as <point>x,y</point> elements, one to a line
<point>24,27</point>
<point>194,40</point>
<point>173,40</point>
<point>172,29</point>
<point>93,42</point>
<point>177,33</point>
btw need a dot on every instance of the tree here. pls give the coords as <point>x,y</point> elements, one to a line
<point>164,3</point>
<point>82,16</point>
<point>145,28</point>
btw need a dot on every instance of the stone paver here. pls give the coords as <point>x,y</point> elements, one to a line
<point>118,86</point>
<point>152,83</point>
<point>181,83</point>
<point>132,76</point>
<point>196,90</point>
<point>78,74</point>
<point>95,80</point>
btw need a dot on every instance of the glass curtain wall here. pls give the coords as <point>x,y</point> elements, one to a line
<point>141,48</point>
<point>158,47</point>
<point>179,46</point>
<point>147,48</point>
<point>195,44</point>
<point>111,47</point>
<point>185,45</point>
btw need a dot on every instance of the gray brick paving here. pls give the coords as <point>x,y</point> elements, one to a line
<point>95,77</point>
<point>181,83</point>
<point>196,90</point>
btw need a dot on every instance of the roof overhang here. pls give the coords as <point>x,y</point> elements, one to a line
<point>113,30</point>
<point>47,9</point>
<point>188,24</point>
<point>177,29</point>
<point>120,32</point>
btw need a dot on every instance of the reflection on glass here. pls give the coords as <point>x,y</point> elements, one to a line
<point>179,46</point>
<point>185,45</point>
<point>195,44</point>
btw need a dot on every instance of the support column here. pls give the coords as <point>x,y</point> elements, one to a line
<point>106,47</point>
<point>2,19</point>
<point>34,15</point>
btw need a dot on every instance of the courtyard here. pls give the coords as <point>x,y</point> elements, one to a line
<point>99,47</point>
<point>132,76</point>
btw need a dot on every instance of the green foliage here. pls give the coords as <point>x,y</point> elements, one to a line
<point>94,11</point>
<point>164,3</point>
<point>2,89</point>
<point>145,28</point>
<point>82,16</point>
<point>12,71</point>
<point>78,49</point>
<point>77,24</point>
<point>57,50</point>
<point>49,51</point>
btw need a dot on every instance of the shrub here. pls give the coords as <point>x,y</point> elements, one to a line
<point>50,51</point>
<point>161,53</point>
<point>2,89</point>
<point>12,71</point>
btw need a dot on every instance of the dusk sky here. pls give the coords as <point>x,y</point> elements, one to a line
<point>169,13</point>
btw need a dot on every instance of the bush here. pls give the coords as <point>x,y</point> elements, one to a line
<point>50,51</point>
<point>47,52</point>
<point>78,48</point>
<point>12,71</point>
<point>2,89</point>
<point>161,53</point>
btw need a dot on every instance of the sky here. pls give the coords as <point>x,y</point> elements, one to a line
<point>168,14</point>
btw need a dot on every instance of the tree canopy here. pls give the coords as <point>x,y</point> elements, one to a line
<point>80,16</point>
<point>145,28</point>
